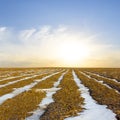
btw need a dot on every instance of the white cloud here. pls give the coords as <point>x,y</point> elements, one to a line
<point>2,29</point>
<point>27,34</point>
<point>41,46</point>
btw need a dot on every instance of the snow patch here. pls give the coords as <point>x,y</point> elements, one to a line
<point>22,75</point>
<point>9,83</point>
<point>101,82</point>
<point>26,78</point>
<point>103,76</point>
<point>46,101</point>
<point>93,111</point>
<point>17,91</point>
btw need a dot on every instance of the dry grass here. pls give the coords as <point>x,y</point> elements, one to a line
<point>67,101</point>
<point>14,72</point>
<point>107,81</point>
<point>19,107</point>
<point>12,79</point>
<point>102,94</point>
<point>113,73</point>
<point>19,84</point>
<point>48,83</point>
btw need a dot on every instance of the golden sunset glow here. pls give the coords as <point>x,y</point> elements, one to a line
<point>73,51</point>
<point>61,46</point>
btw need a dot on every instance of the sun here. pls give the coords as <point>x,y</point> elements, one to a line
<point>73,52</point>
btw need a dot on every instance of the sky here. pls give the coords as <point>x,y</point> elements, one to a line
<point>59,33</point>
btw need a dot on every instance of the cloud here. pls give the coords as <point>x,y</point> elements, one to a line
<point>2,29</point>
<point>27,34</point>
<point>41,46</point>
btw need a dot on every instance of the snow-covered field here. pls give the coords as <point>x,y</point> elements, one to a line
<point>32,98</point>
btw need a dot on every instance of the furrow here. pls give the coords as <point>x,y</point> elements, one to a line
<point>103,76</point>
<point>22,103</point>
<point>8,81</point>
<point>47,100</point>
<point>22,74</point>
<point>101,93</point>
<point>108,83</point>
<point>20,83</point>
<point>67,100</point>
<point>11,79</point>
<point>113,84</point>
<point>92,110</point>
<point>111,73</point>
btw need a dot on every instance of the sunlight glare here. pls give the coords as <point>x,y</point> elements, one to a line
<point>73,52</point>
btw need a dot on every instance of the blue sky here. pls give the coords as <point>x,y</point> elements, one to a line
<point>99,17</point>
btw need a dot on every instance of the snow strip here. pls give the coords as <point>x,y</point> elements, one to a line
<point>9,83</point>
<point>93,111</point>
<point>46,101</point>
<point>12,82</point>
<point>22,75</point>
<point>103,76</point>
<point>17,91</point>
<point>10,78</point>
<point>102,82</point>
